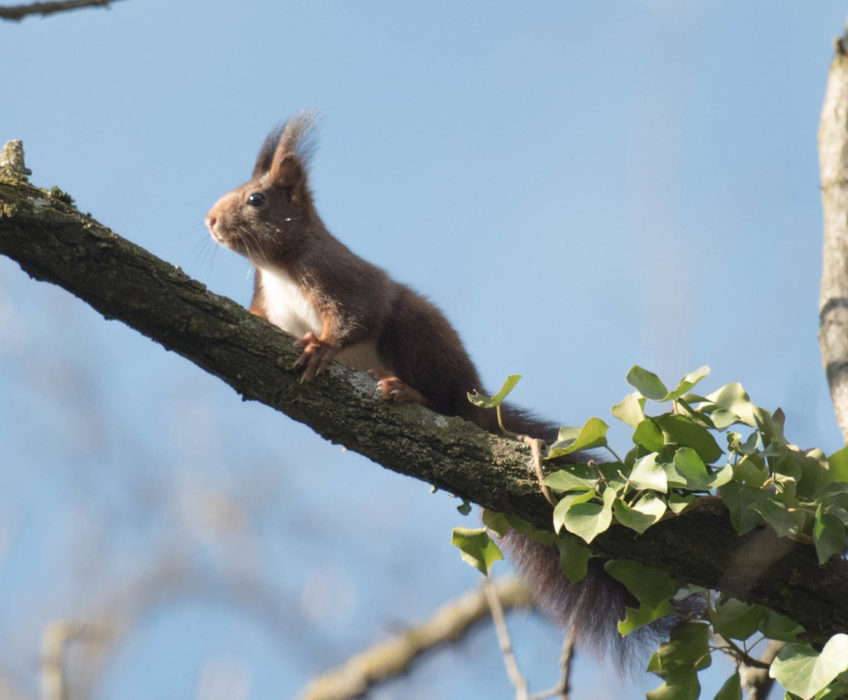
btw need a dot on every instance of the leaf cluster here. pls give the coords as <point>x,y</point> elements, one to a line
<point>689,446</point>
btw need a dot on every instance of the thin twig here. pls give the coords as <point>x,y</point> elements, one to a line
<point>734,651</point>
<point>17,12</point>
<point>504,641</point>
<point>535,446</point>
<point>563,690</point>
<point>568,651</point>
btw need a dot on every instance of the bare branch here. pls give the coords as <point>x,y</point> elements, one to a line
<point>394,656</point>
<point>833,299</point>
<point>755,679</point>
<point>505,641</point>
<point>53,241</point>
<point>55,639</point>
<point>563,689</point>
<point>17,12</point>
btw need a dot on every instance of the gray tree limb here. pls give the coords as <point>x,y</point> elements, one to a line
<point>54,242</point>
<point>833,166</point>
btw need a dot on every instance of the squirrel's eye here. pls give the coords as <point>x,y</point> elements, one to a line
<point>257,199</point>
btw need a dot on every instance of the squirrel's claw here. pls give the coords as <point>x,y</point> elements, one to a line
<point>316,356</point>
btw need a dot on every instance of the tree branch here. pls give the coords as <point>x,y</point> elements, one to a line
<point>17,12</point>
<point>756,680</point>
<point>390,658</point>
<point>833,168</point>
<point>54,242</point>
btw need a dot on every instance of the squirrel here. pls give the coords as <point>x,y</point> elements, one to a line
<point>344,308</point>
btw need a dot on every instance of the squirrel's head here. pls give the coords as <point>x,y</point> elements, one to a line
<point>268,219</point>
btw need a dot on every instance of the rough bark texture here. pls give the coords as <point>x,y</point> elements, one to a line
<point>54,242</point>
<point>833,301</point>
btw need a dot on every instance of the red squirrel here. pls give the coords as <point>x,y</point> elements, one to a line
<point>346,309</point>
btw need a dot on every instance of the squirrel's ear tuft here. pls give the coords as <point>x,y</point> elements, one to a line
<point>266,153</point>
<point>295,138</point>
<point>298,135</point>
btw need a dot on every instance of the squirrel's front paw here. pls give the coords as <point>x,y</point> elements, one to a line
<point>316,356</point>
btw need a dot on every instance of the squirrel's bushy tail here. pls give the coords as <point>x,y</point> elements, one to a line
<point>593,606</point>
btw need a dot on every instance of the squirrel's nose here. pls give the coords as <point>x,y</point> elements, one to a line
<point>210,222</point>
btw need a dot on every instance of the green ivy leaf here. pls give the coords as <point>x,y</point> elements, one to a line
<point>573,558</point>
<point>648,510</point>
<point>464,508</point>
<point>739,500</point>
<point>777,626</point>
<point>646,383</point>
<point>835,691</point>
<point>680,430</point>
<point>737,620</point>
<point>648,474</point>
<point>565,480</point>
<point>681,684</point>
<point>689,466</point>
<point>484,401</point>
<point>687,648</point>
<point>678,661</point>
<point>678,502</point>
<point>589,519</point>
<point>566,502</point>
<point>692,468</point>
<point>686,383</point>
<point>630,410</point>
<point>838,463</point>
<point>751,471</point>
<point>641,616</point>
<point>785,522</point>
<point>828,535</point>
<point>496,522</point>
<point>653,588</point>
<point>476,547</point>
<point>722,476</point>
<point>733,399</point>
<point>593,433</point>
<point>697,415</point>
<point>649,435</point>
<point>751,444</point>
<point>612,474</point>
<point>731,690</point>
<point>722,418</point>
<point>505,390</point>
<point>814,475</point>
<point>770,425</point>
<point>649,585</point>
<point>802,671</point>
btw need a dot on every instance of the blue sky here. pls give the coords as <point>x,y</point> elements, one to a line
<point>580,186</point>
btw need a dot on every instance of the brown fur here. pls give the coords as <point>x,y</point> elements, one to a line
<point>421,357</point>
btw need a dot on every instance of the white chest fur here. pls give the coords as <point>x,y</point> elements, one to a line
<point>285,303</point>
<point>288,308</point>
